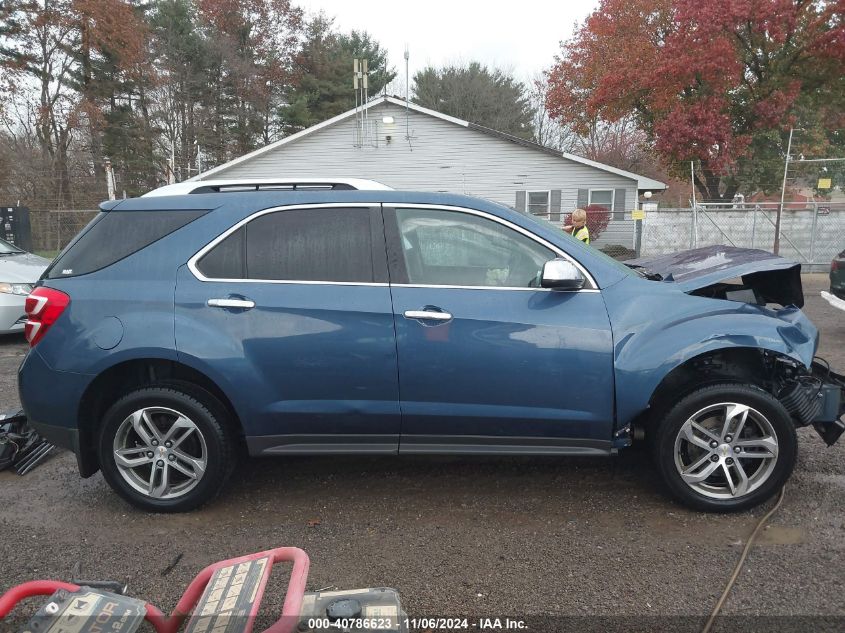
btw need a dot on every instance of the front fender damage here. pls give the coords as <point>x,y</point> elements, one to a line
<point>659,331</point>
<point>648,349</point>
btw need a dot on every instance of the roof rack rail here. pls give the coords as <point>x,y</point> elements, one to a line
<point>267,184</point>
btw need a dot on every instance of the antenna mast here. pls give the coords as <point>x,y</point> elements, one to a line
<point>361,86</point>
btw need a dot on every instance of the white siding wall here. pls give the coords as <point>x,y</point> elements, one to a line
<point>441,157</point>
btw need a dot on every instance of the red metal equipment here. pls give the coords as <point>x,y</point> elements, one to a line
<point>197,590</point>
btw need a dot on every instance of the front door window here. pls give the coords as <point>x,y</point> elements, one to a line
<point>448,248</point>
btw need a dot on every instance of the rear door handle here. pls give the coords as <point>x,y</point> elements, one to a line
<point>243,304</point>
<point>428,315</point>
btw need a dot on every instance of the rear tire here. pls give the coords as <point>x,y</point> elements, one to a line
<point>725,447</point>
<point>166,449</point>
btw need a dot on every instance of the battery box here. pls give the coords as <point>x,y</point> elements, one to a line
<point>353,610</point>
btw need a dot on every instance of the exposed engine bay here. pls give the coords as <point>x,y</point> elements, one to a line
<point>742,292</point>
<point>814,397</point>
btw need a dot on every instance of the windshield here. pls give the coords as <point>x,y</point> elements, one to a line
<point>6,248</point>
<point>579,244</point>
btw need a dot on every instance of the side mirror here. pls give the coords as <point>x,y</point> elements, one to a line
<point>562,274</point>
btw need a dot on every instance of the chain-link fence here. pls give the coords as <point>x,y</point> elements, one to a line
<point>811,233</point>
<point>52,230</point>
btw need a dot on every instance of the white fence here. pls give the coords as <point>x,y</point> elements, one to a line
<point>812,233</point>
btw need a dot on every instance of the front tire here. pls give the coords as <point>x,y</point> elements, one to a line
<point>725,447</point>
<point>166,449</point>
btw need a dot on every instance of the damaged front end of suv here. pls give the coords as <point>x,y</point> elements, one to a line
<point>753,333</point>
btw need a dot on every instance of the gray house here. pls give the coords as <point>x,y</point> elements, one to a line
<point>406,146</point>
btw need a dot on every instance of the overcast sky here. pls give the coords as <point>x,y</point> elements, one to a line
<point>522,37</point>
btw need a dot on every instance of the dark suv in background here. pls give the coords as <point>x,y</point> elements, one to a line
<point>176,332</point>
<point>837,276</point>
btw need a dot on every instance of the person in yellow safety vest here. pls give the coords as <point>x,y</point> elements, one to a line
<point>578,229</point>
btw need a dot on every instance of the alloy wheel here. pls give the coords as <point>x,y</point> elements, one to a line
<point>160,452</point>
<point>726,450</point>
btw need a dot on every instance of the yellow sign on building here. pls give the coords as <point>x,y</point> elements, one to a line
<point>638,214</point>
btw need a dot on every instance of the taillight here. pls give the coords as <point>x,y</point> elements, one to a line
<point>43,307</point>
<point>835,264</point>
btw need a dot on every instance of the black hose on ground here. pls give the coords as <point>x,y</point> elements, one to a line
<point>760,524</point>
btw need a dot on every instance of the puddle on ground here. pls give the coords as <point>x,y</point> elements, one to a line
<point>781,535</point>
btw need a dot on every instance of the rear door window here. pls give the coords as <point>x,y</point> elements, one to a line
<point>115,235</point>
<point>331,245</point>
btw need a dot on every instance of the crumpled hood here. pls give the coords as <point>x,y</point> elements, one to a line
<point>776,279</point>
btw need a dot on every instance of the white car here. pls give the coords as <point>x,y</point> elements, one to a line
<point>19,271</point>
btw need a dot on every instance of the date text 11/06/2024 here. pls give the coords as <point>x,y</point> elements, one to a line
<point>482,624</point>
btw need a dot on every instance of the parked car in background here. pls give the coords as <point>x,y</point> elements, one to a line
<point>176,332</point>
<point>837,276</point>
<point>19,271</point>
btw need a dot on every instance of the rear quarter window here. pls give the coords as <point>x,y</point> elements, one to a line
<point>115,235</point>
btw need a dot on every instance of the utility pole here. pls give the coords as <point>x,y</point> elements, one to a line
<point>776,246</point>
<point>694,232</point>
<point>171,171</point>
<point>355,77</point>
<point>109,178</point>
<point>365,115</point>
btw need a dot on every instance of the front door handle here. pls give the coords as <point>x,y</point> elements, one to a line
<point>243,304</point>
<point>428,315</point>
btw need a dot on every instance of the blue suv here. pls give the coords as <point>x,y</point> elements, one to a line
<point>176,333</point>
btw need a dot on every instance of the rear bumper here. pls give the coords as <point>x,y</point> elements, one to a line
<point>68,438</point>
<point>61,436</point>
<point>51,401</point>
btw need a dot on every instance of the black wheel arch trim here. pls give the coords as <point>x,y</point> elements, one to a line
<point>120,378</point>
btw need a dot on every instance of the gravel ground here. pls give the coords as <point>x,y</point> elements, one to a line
<point>472,536</point>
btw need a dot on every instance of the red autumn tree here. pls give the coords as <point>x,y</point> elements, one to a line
<point>707,81</point>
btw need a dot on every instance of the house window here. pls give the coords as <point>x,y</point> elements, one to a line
<point>538,203</point>
<point>601,198</point>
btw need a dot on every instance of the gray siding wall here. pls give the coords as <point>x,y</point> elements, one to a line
<point>440,157</point>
